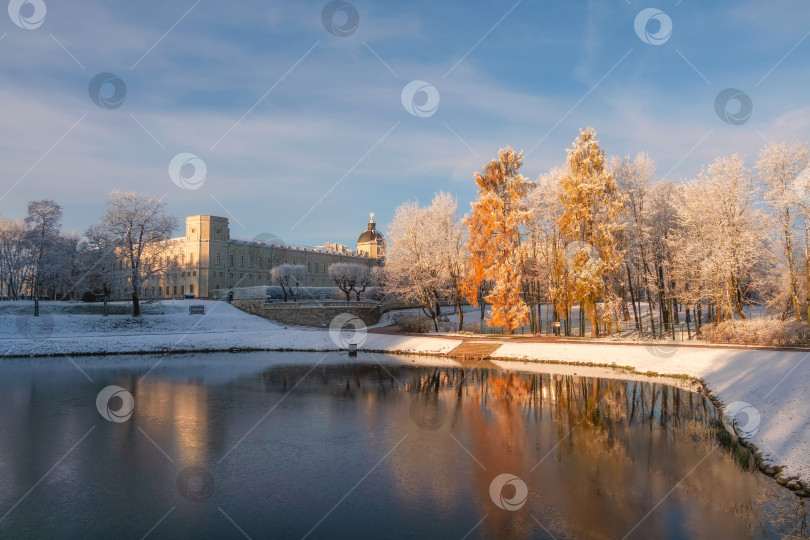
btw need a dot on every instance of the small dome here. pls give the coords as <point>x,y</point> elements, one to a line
<point>371,234</point>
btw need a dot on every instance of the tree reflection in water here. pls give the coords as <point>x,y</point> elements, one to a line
<point>373,448</point>
<point>597,454</point>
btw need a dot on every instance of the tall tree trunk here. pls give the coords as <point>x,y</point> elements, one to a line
<point>460,313</point>
<point>688,321</point>
<point>651,311</point>
<point>788,243</point>
<point>632,297</point>
<point>807,261</point>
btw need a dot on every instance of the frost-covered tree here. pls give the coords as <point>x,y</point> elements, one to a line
<point>545,270</point>
<point>141,228</point>
<point>801,187</point>
<point>289,277</point>
<point>451,234</point>
<point>592,204</point>
<point>779,165</point>
<point>424,254</point>
<point>351,277</point>
<point>634,177</point>
<point>14,258</point>
<point>662,225</point>
<point>44,224</point>
<point>721,229</point>
<point>100,263</point>
<point>496,239</point>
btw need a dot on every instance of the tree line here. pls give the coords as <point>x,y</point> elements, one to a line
<point>116,256</point>
<point>602,234</point>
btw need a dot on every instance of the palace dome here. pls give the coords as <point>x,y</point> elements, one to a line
<point>370,234</point>
<point>371,243</point>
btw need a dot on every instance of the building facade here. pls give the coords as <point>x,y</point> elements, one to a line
<point>207,259</point>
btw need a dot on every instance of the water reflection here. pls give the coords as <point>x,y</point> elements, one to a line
<point>292,444</point>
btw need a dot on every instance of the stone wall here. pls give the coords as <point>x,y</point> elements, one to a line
<point>314,314</point>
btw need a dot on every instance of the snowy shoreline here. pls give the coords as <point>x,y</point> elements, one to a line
<point>774,382</point>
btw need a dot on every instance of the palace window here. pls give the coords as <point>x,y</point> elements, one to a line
<point>194,273</point>
<point>191,289</point>
<point>216,259</point>
<point>175,290</point>
<point>241,261</point>
<point>231,260</point>
<point>250,262</point>
<point>182,290</point>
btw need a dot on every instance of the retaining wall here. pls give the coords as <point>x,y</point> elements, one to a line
<point>314,314</point>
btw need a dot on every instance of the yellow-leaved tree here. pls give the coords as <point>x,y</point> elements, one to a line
<point>496,251</point>
<point>590,223</point>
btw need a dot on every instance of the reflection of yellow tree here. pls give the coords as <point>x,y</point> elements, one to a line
<point>591,471</point>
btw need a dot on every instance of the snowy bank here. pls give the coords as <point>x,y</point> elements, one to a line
<point>167,326</point>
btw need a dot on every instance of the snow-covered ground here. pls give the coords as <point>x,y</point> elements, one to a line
<point>65,328</point>
<point>776,383</point>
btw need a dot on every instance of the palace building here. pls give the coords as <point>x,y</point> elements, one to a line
<point>207,259</point>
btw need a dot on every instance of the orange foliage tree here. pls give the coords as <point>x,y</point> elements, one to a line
<point>589,224</point>
<point>496,253</point>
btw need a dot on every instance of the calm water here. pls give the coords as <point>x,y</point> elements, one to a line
<point>274,445</point>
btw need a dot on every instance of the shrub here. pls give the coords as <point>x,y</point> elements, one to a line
<point>769,332</point>
<point>414,325</point>
<point>447,326</point>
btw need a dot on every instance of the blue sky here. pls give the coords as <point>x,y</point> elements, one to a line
<point>304,132</point>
